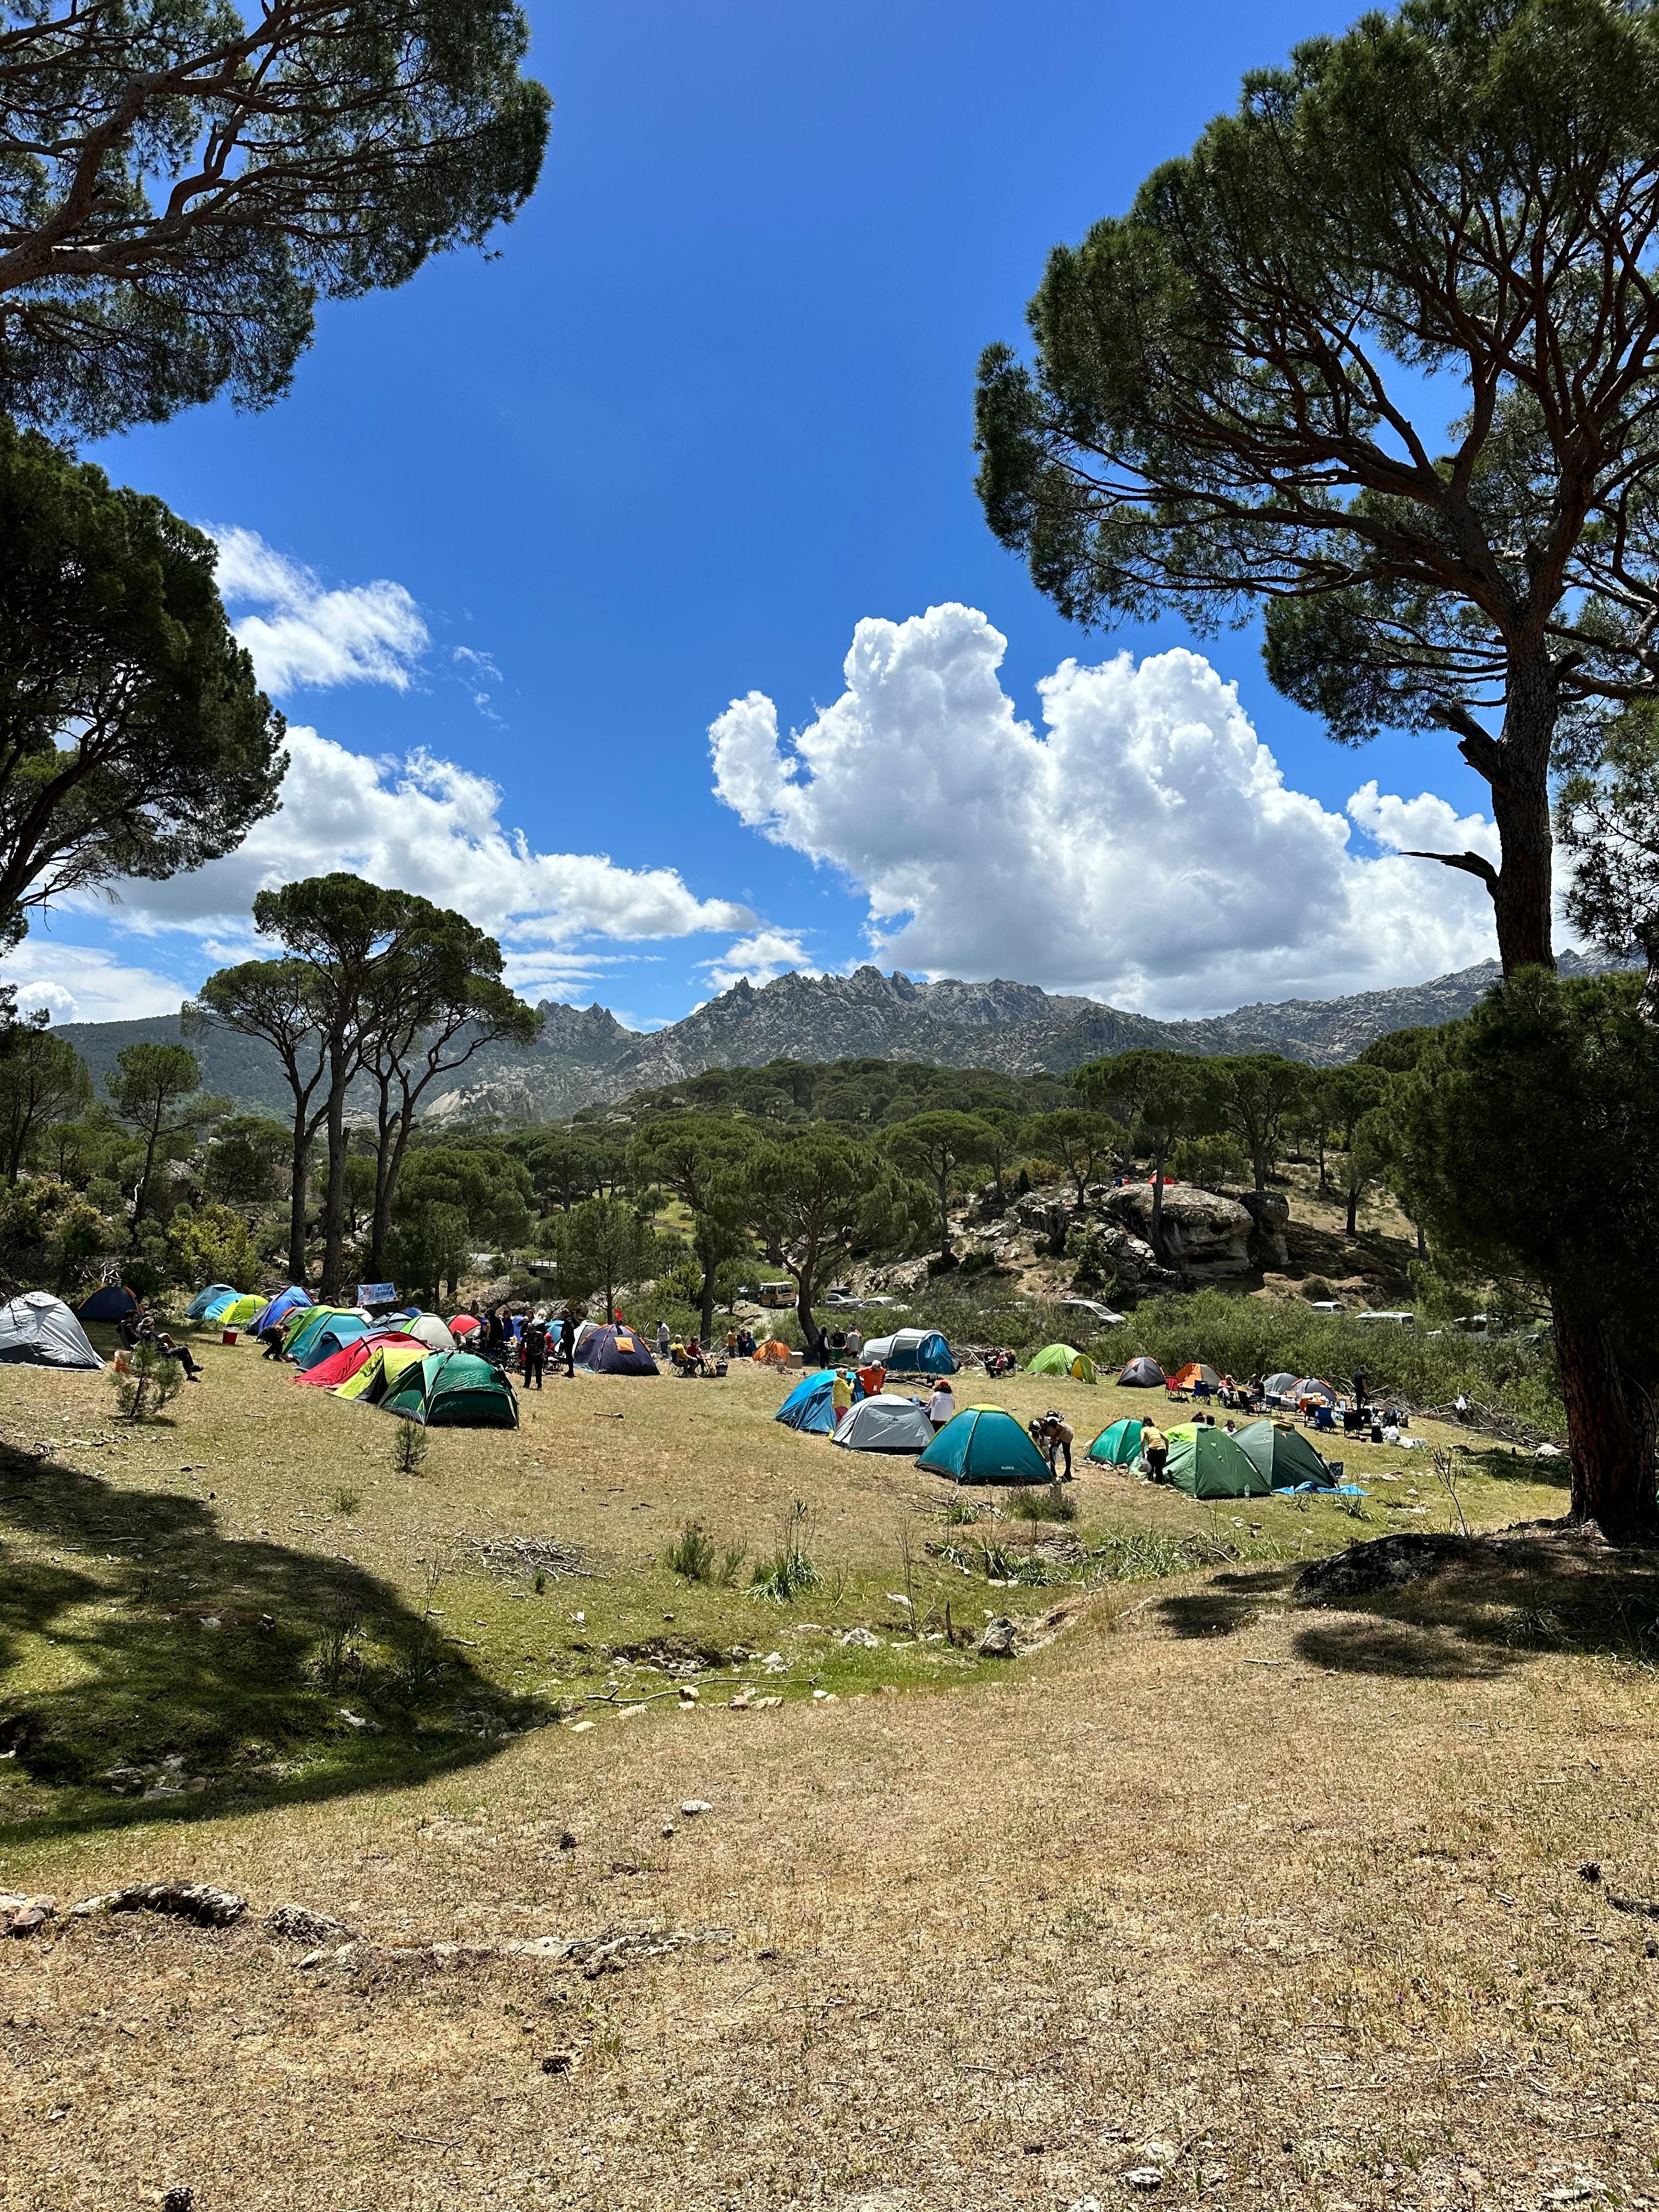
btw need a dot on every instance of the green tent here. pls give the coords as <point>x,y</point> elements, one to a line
<point>454,1390</point>
<point>985,1443</point>
<point>1284,1455</point>
<point>379,1372</point>
<point>1207,1463</point>
<point>305,1324</point>
<point>1063,1360</point>
<point>1118,1446</point>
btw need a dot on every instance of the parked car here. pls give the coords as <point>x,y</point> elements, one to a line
<point>1400,1320</point>
<point>1103,1315</point>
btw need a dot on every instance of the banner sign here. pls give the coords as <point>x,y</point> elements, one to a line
<point>377,1294</point>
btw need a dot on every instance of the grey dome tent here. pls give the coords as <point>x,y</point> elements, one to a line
<point>1141,1374</point>
<point>38,1330</point>
<point>885,1425</point>
<point>911,1351</point>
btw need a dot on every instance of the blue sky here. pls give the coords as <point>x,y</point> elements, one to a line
<point>707,410</point>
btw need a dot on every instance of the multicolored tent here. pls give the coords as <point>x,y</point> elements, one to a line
<point>340,1366</point>
<point>615,1350</point>
<point>217,1306</point>
<point>1063,1360</point>
<point>38,1330</point>
<point>214,1294</point>
<point>1141,1374</point>
<point>109,1302</point>
<point>381,1371</point>
<point>1193,1373</point>
<point>1118,1446</point>
<point>985,1443</point>
<point>292,1300</point>
<point>1208,1462</point>
<point>1284,1456</point>
<point>239,1313</point>
<point>454,1390</point>
<point>336,1333</point>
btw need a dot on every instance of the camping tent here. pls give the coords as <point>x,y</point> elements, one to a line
<point>1279,1385</point>
<point>911,1351</point>
<point>808,1405</point>
<point>1063,1360</point>
<point>1208,1462</point>
<point>462,1325</point>
<point>38,1330</point>
<point>454,1390</point>
<point>292,1300</point>
<point>336,1333</point>
<point>238,1313</point>
<point>110,1302</point>
<point>1284,1455</point>
<point>1193,1373</point>
<point>306,1324</point>
<point>773,1352</point>
<point>1141,1374</point>
<point>431,1332</point>
<point>985,1443</point>
<point>214,1294</point>
<point>219,1305</point>
<point>1118,1446</point>
<point>340,1366</point>
<point>380,1372</point>
<point>1312,1387</point>
<point>615,1350</point>
<point>886,1425</point>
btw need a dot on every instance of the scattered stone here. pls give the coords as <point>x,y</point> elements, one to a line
<point>23,1915</point>
<point>580,1728</point>
<point>183,1900</point>
<point>181,2199</point>
<point>559,2061</point>
<point>1388,1563</point>
<point>667,1830</point>
<point>1147,2178</point>
<point>359,1721</point>
<point>567,1841</point>
<point>763,1704</point>
<point>297,1924</point>
<point>311,1959</point>
<point>691,1807</point>
<point>1590,1870</point>
<point>739,1702</point>
<point>1000,1640</point>
<point>629,1712</point>
<point>1087,2204</point>
<point>862,1639</point>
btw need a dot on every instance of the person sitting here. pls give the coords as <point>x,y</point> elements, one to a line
<point>942,1405</point>
<point>182,1352</point>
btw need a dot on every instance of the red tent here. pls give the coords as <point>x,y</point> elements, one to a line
<point>463,1324</point>
<point>340,1366</point>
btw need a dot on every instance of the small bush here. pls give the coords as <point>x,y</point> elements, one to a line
<point>1052,1504</point>
<point>790,1571</point>
<point>409,1447</point>
<point>150,1382</point>
<point>692,1552</point>
<point>346,1502</point>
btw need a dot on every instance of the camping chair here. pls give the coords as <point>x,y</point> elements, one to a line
<point>1322,1418</point>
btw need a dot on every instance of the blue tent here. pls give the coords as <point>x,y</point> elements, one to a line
<point>809,1406</point>
<point>214,1294</point>
<point>911,1351</point>
<point>336,1333</point>
<point>984,1443</point>
<point>112,1302</point>
<point>615,1350</point>
<point>273,1315</point>
<point>218,1305</point>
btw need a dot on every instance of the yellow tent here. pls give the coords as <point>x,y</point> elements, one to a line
<point>379,1372</point>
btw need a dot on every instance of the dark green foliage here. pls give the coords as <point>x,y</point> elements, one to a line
<point>707,1164</point>
<point>155,1090</point>
<point>133,740</point>
<point>936,1148</point>
<point>43,1081</point>
<point>1608,818</point>
<point>865,1093</point>
<point>247,163</point>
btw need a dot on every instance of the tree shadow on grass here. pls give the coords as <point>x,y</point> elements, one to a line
<point>199,1673</point>
<point>1226,1603</point>
<point>1484,1605</point>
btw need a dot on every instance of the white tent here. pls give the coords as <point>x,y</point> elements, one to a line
<point>427,1330</point>
<point>38,1330</point>
<point>911,1351</point>
<point>885,1425</point>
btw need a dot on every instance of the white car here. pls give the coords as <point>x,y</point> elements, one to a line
<point>1103,1315</point>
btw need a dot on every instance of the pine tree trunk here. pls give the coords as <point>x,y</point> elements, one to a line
<point>708,1316</point>
<point>1519,781</point>
<point>1158,1205</point>
<point>300,1159</point>
<point>334,1217</point>
<point>1612,1427</point>
<point>1353,1213</point>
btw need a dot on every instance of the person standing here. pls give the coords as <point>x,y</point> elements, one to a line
<point>568,1342</point>
<point>942,1405</point>
<point>855,1344</point>
<point>1360,1380</point>
<point>535,1352</point>
<point>665,1341</point>
<point>840,1395</point>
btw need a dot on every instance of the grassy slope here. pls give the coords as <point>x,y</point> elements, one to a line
<point>1291,1893</point>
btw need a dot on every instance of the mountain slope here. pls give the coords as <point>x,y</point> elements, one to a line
<point>585,1057</point>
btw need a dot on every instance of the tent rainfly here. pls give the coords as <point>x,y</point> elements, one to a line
<point>454,1390</point>
<point>1193,1373</point>
<point>1284,1455</point>
<point>985,1443</point>
<point>1141,1374</point>
<point>885,1425</point>
<point>336,1333</point>
<point>615,1350</point>
<point>809,1406</point>
<point>38,1330</point>
<point>340,1366</point>
<point>911,1351</point>
<point>1063,1360</point>
<point>430,1331</point>
<point>382,1371</point>
<point>1208,1462</point>
<point>211,1294</point>
<point>1118,1446</point>
<point>773,1352</point>
<point>292,1300</point>
<point>110,1302</point>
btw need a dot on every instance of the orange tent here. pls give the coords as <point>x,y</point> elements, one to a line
<point>1193,1373</point>
<point>772,1353</point>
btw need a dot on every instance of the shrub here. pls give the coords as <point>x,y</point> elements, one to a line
<point>692,1552</point>
<point>211,1244</point>
<point>790,1571</point>
<point>409,1445</point>
<point>148,1383</point>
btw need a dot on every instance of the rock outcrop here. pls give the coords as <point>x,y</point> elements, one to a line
<point>1203,1233</point>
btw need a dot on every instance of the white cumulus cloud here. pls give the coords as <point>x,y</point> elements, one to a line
<point>1145,848</point>
<point>759,959</point>
<point>429,826</point>
<point>310,635</point>
<point>84,983</point>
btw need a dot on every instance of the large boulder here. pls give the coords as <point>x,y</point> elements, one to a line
<point>1203,1233</point>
